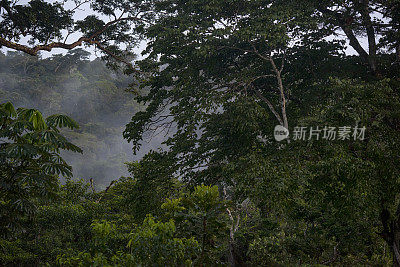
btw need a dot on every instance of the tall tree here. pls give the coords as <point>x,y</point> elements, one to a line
<point>227,72</point>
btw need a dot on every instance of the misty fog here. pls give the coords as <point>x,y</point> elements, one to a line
<point>88,92</point>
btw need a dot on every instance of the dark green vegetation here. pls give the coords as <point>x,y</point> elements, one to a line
<point>218,76</point>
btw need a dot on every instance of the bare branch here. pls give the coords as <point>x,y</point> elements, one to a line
<point>270,106</point>
<point>105,191</point>
<point>79,5</point>
<point>89,40</point>
<point>282,92</point>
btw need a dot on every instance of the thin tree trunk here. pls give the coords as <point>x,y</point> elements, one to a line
<point>370,34</point>
<point>203,243</point>
<point>396,254</point>
<point>391,233</point>
<point>233,257</point>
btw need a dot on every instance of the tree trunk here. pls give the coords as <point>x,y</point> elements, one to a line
<point>233,257</point>
<point>396,253</point>
<point>391,233</point>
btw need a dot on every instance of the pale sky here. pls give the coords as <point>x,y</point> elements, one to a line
<point>85,9</point>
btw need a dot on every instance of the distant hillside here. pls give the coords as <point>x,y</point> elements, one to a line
<point>88,92</point>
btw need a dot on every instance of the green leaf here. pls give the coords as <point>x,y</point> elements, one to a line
<point>38,121</point>
<point>59,120</point>
<point>10,109</point>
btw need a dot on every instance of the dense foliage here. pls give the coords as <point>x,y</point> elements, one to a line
<point>84,90</point>
<point>30,163</point>
<point>216,77</point>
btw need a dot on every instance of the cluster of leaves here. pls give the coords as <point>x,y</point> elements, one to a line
<point>30,160</point>
<point>40,20</point>
<point>86,229</point>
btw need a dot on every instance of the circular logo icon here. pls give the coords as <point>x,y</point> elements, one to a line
<point>280,133</point>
